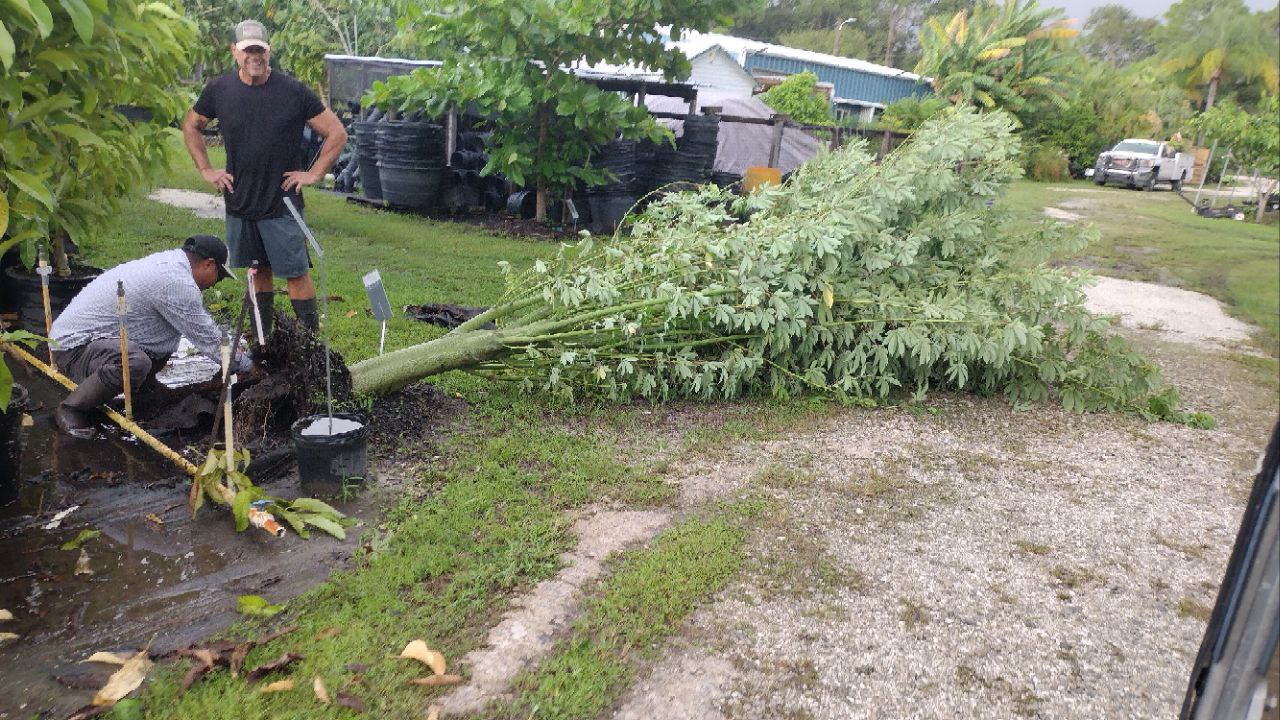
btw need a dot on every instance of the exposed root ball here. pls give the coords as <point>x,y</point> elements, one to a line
<point>294,387</point>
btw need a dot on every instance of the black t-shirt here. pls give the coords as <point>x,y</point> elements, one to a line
<point>262,128</point>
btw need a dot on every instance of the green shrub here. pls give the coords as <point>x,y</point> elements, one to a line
<point>1047,163</point>
<point>909,113</point>
<point>795,98</point>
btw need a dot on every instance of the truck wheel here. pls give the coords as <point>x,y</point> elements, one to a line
<point>1177,184</point>
<point>1150,184</point>
<point>1099,178</point>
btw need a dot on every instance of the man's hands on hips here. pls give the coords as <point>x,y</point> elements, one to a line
<point>299,179</point>
<point>220,179</point>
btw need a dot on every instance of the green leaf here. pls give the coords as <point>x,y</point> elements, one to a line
<point>325,524</point>
<point>81,18</point>
<point>240,509</point>
<point>310,505</point>
<point>294,521</point>
<point>256,606</point>
<point>6,47</point>
<point>80,135</point>
<point>6,386</point>
<point>84,537</point>
<point>64,61</point>
<point>40,13</point>
<point>4,214</point>
<point>31,185</point>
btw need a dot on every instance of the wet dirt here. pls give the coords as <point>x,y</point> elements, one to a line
<point>158,575</point>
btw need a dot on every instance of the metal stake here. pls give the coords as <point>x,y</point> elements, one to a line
<point>121,310</point>
<point>324,295</point>
<point>229,437</point>
<point>251,274</point>
<point>1213,201</point>
<point>43,270</point>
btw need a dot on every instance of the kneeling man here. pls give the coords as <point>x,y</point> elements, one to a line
<point>162,291</point>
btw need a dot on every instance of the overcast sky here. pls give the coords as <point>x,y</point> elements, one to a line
<point>1079,9</point>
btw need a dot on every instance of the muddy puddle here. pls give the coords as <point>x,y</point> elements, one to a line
<point>157,575</point>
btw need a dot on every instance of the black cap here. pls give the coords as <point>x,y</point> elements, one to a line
<point>208,246</point>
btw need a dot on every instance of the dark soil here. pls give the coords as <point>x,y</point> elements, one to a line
<point>294,385</point>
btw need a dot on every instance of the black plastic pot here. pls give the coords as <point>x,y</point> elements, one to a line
<point>410,187</point>
<point>608,209</point>
<point>11,444</point>
<point>523,203</point>
<point>328,464</point>
<point>24,288</point>
<point>366,159</point>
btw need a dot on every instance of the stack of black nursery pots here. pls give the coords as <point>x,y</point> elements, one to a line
<point>366,158</point>
<point>410,163</point>
<point>610,202</point>
<point>693,156</point>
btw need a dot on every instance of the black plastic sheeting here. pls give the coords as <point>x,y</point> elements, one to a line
<point>444,314</point>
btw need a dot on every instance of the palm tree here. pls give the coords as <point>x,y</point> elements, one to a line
<point>1208,41</point>
<point>1006,55</point>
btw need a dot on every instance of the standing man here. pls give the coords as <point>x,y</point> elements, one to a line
<point>261,114</point>
<point>164,304</point>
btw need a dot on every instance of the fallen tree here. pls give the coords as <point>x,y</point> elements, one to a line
<point>852,279</point>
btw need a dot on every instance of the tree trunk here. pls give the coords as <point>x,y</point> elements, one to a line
<point>58,254</point>
<point>1263,191</point>
<point>1208,101</point>
<point>387,373</point>
<point>893,31</point>
<point>544,122</point>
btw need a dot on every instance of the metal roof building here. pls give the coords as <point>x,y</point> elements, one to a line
<point>856,82</point>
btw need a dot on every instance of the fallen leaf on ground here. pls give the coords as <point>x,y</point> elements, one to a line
<point>125,680</point>
<point>256,605</point>
<point>322,694</point>
<point>205,660</point>
<point>438,680</point>
<point>84,537</point>
<point>5,615</point>
<point>433,712</point>
<point>349,701</point>
<point>327,633</point>
<point>282,631</point>
<point>278,686</point>
<point>152,517</point>
<point>418,650</point>
<point>82,563</point>
<point>351,312</point>
<point>108,657</point>
<point>6,637</point>
<point>237,658</point>
<point>281,663</point>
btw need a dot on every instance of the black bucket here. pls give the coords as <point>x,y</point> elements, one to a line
<point>11,444</point>
<point>25,289</point>
<point>523,204</point>
<point>328,464</point>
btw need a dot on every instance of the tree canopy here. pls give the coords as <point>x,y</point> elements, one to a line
<point>88,88</point>
<point>796,97</point>
<point>1208,43</point>
<point>1113,34</point>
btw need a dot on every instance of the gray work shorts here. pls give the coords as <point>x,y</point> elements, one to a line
<point>277,243</point>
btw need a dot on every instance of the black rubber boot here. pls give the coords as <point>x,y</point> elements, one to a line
<point>77,415</point>
<point>266,306</point>
<point>307,313</point>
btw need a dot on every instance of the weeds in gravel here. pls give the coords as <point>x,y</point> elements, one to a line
<point>646,600</point>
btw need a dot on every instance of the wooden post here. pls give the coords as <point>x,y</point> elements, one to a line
<point>835,138</point>
<point>885,139</point>
<point>775,143</point>
<point>693,103</point>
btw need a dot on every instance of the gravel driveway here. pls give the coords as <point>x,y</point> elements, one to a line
<point>970,561</point>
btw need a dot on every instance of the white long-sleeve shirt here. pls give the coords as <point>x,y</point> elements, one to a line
<point>163,304</point>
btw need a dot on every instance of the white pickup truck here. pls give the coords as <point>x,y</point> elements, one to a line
<point>1142,164</point>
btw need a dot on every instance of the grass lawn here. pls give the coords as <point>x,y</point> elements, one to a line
<point>490,518</point>
<point>1156,237</point>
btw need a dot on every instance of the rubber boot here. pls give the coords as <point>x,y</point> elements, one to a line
<point>77,415</point>
<point>307,314</point>
<point>266,306</point>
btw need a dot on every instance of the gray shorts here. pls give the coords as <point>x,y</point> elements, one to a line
<point>277,243</point>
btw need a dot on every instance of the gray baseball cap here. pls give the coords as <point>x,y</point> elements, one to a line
<point>250,33</point>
